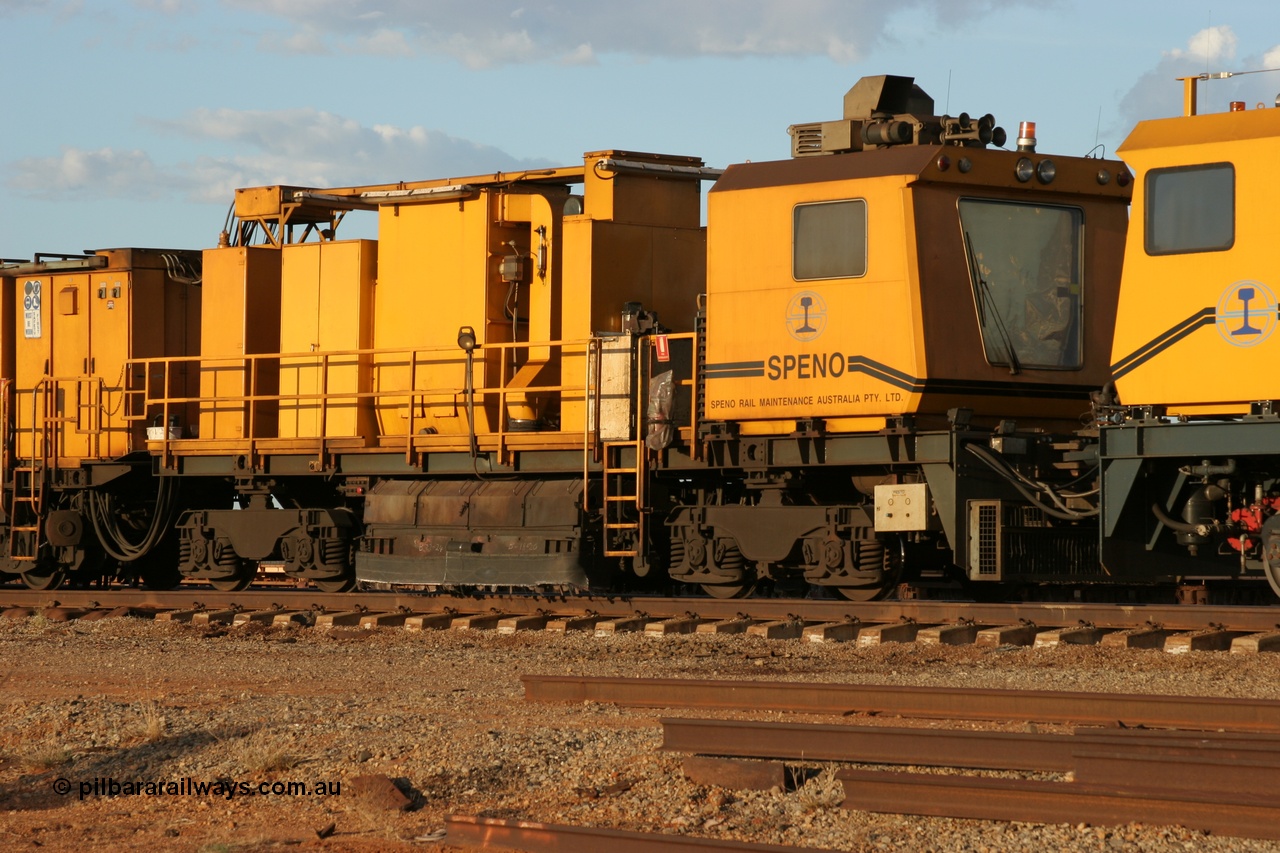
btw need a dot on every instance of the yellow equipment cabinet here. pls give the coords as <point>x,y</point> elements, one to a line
<point>521,259</point>
<point>440,268</point>
<point>77,321</point>
<point>241,318</point>
<point>1196,323</point>
<point>637,239</point>
<point>327,307</point>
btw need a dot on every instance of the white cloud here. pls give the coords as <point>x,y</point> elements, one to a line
<point>574,31</point>
<point>81,172</point>
<point>385,43</point>
<point>302,146</point>
<point>1214,44</point>
<point>581,55</point>
<point>1158,94</point>
<point>305,41</point>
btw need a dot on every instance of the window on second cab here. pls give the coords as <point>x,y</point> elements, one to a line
<point>1190,209</point>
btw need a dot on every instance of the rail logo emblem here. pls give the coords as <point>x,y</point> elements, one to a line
<point>1246,313</point>
<point>806,315</point>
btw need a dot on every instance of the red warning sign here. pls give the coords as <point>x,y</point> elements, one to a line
<point>663,347</point>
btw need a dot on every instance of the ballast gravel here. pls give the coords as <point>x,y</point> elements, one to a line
<point>131,717</point>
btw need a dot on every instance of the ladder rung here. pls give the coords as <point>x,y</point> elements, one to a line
<point>613,471</point>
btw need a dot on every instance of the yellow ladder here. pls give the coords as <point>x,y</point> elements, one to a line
<point>26,500</point>
<point>88,407</point>
<point>616,502</point>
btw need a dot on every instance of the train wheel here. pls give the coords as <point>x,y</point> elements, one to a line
<point>341,584</point>
<point>243,576</point>
<point>726,590</point>
<point>233,584</point>
<point>1272,570</point>
<point>1271,553</point>
<point>870,553</point>
<point>44,578</point>
<point>732,564</point>
<point>874,592</point>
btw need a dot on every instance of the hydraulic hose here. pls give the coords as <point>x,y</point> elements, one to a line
<point>113,539</point>
<point>998,465</point>
<point>1172,523</point>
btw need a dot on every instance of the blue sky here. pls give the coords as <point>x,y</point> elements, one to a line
<point>131,123</point>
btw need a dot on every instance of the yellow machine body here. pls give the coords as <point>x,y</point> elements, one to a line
<point>73,325</point>
<point>535,265</point>
<point>241,318</point>
<point>639,241</point>
<point>862,286</point>
<point>438,270</point>
<point>328,288</point>
<point>1196,323</point>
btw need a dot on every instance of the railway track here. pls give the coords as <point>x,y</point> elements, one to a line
<point>1175,628</point>
<point>533,837</point>
<point>1047,706</point>
<point>1225,762</point>
<point>1205,763</point>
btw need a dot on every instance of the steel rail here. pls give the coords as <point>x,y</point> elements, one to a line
<point>1180,769</point>
<point>1194,712</point>
<point>1124,757</point>
<point>869,744</point>
<point>535,837</point>
<point>984,798</point>
<point>992,750</point>
<point>1112,616</point>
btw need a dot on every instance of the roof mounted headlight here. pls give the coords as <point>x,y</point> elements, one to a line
<point>1046,171</point>
<point>1024,169</point>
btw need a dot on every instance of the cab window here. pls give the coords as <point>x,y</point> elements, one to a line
<point>829,240</point>
<point>1190,209</point>
<point>1024,265</point>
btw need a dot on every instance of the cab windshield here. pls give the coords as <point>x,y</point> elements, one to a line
<point>1024,266</point>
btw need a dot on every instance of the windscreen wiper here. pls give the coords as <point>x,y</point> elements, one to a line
<point>986,301</point>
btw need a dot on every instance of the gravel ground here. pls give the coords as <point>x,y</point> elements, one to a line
<point>442,714</point>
